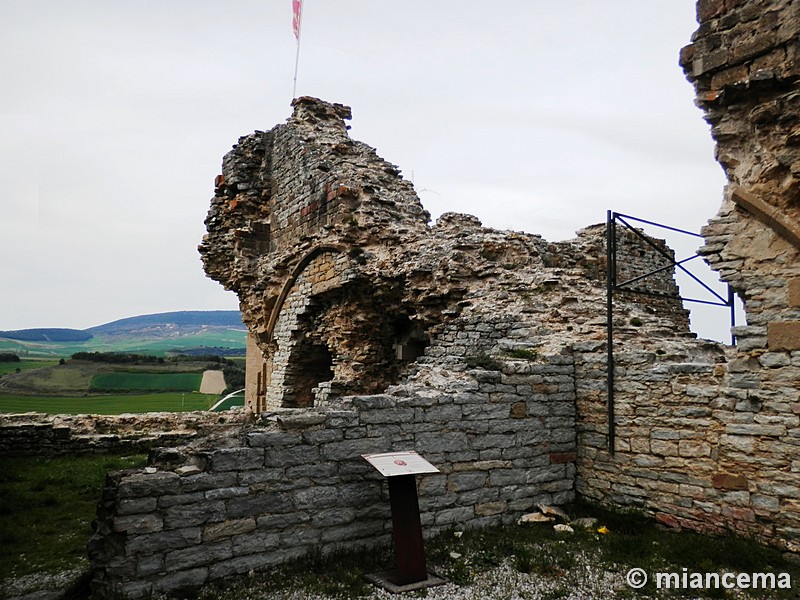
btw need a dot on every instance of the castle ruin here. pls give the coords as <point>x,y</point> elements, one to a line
<point>371,330</point>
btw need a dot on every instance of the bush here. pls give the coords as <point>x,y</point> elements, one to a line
<point>8,357</point>
<point>118,358</point>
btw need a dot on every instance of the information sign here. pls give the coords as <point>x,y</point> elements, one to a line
<point>391,464</point>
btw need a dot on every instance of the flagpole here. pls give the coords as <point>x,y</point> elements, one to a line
<point>296,64</point>
<point>297,21</point>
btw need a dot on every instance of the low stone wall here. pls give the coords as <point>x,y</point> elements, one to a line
<point>503,441</point>
<point>39,434</point>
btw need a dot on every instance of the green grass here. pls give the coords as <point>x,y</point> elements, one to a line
<point>237,400</point>
<point>156,347</point>
<point>46,507</point>
<point>108,405</point>
<point>340,575</point>
<point>537,551</point>
<point>122,380</point>
<point>24,365</point>
<point>632,541</point>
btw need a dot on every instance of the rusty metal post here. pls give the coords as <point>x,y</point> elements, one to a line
<point>409,547</point>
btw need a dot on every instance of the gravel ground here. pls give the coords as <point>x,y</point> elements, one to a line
<point>582,582</point>
<point>502,583</point>
<point>41,586</point>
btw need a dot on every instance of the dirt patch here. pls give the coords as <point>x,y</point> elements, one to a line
<point>213,382</point>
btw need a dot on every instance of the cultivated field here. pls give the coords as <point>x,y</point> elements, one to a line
<point>127,380</point>
<point>87,387</point>
<point>25,365</point>
<point>143,345</point>
<point>108,404</point>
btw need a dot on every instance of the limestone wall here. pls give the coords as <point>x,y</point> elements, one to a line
<point>38,434</point>
<point>503,440</point>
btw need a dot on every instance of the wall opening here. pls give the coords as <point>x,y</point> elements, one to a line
<point>410,340</point>
<point>310,366</point>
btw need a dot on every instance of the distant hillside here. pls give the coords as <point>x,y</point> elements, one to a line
<point>49,334</point>
<point>216,331</point>
<point>184,321</point>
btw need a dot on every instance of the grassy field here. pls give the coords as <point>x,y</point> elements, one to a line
<point>108,404</point>
<point>156,347</point>
<point>46,507</point>
<point>237,400</point>
<point>177,382</point>
<point>25,365</point>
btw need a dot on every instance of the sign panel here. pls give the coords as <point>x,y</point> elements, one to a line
<point>391,464</point>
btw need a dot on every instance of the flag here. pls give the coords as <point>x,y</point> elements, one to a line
<point>297,11</point>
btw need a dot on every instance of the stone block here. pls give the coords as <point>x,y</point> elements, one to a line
<point>180,580</point>
<point>793,294</point>
<point>729,481</point>
<point>132,506</point>
<point>563,457</point>
<point>258,504</point>
<point>253,543</point>
<point>237,459</point>
<point>164,540</point>
<point>225,493</point>
<point>491,508</point>
<point>175,500</point>
<point>693,449</point>
<point>269,439</point>
<point>436,442</point>
<point>755,429</point>
<point>315,498</point>
<point>230,528</point>
<point>192,515</point>
<point>664,448</point>
<point>461,482</point>
<point>138,524</point>
<point>149,484</point>
<point>131,590</point>
<point>149,565</point>
<point>202,554</point>
<point>783,336</point>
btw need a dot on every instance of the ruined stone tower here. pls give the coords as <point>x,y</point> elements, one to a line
<point>342,282</point>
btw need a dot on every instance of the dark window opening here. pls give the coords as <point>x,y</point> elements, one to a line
<point>311,365</point>
<point>410,340</point>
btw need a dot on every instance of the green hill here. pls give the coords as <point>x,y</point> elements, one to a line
<point>52,334</point>
<point>217,331</point>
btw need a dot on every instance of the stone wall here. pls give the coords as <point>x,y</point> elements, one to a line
<point>707,436</point>
<point>38,434</point>
<point>503,441</point>
<point>483,350</point>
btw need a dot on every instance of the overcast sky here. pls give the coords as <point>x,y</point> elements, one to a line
<point>532,115</point>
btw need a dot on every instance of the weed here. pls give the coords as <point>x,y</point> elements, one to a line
<point>636,322</point>
<point>522,353</point>
<point>483,361</point>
